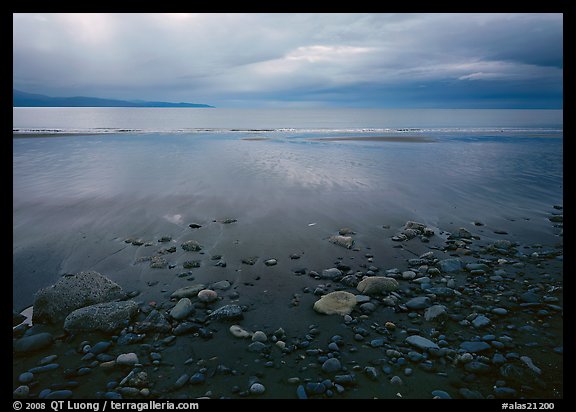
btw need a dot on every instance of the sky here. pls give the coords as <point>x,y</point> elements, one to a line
<point>296,60</point>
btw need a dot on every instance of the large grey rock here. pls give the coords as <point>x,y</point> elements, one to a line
<point>33,343</point>
<point>421,343</point>
<point>54,303</point>
<point>336,303</point>
<point>374,285</point>
<point>105,317</point>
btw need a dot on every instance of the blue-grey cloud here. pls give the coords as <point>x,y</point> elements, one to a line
<point>439,60</point>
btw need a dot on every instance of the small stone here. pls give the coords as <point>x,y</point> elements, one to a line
<point>238,332</point>
<point>438,394</point>
<point>228,312</point>
<point>191,246</point>
<point>331,365</point>
<point>21,392</point>
<point>450,265</point>
<point>128,359</point>
<point>434,312</point>
<point>481,321</point>
<point>475,347</point>
<point>421,343</point>
<point>257,347</point>
<point>396,380</point>
<point>344,241</point>
<point>194,226</point>
<point>207,296</point>
<point>301,392</point>
<point>182,309</point>
<point>330,273</point>
<point>420,302</point>
<point>257,389</point>
<point>259,336</point>
<point>271,262</point>
<point>26,377</point>
<point>33,343</point>
<point>499,311</point>
<point>531,365</point>
<point>197,379</point>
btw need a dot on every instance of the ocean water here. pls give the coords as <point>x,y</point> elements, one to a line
<point>85,179</point>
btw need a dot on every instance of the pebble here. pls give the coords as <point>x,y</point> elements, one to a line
<point>396,380</point>
<point>421,343</point>
<point>33,343</point>
<point>207,296</point>
<point>63,394</point>
<point>128,359</point>
<point>21,392</point>
<point>301,392</point>
<point>238,332</point>
<point>481,321</point>
<point>441,394</point>
<point>197,379</point>
<point>182,309</point>
<point>420,302</point>
<point>499,311</point>
<point>259,336</point>
<point>271,262</point>
<point>26,377</point>
<point>474,347</point>
<point>332,365</point>
<point>257,389</point>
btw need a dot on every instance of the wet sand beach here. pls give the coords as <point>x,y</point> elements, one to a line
<point>222,249</point>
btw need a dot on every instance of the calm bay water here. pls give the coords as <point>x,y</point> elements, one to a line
<point>89,178</point>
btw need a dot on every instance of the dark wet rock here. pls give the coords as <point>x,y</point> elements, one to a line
<point>330,273</point>
<point>44,368</point>
<point>470,394</point>
<point>62,394</point>
<point>104,317</point>
<point>301,392</point>
<point>182,309</point>
<point>33,343</point>
<point>450,265</point>
<point>188,291</point>
<point>441,291</point>
<point>421,342</point>
<point>191,264</point>
<point>271,262</point>
<point>481,321</point>
<point>71,292</point>
<point>350,281</point>
<point>228,312</point>
<point>530,297</point>
<point>100,347</point>
<point>475,347</point>
<point>194,226</point>
<point>257,347</point>
<point>477,367</point>
<point>419,302</point>
<point>221,285</point>
<point>556,218</point>
<point>227,221</point>
<point>191,246</point>
<point>185,328</point>
<point>154,322</point>
<point>345,380</point>
<point>441,394</point>
<point>344,241</point>
<point>158,262</point>
<point>435,312</point>
<point>461,233</point>
<point>250,260</point>
<point>377,285</point>
<point>331,365</point>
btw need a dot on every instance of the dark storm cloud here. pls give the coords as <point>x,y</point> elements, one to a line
<point>297,59</point>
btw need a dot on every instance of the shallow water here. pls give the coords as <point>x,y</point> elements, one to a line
<point>110,186</point>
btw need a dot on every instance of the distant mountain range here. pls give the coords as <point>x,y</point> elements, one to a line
<point>23,99</point>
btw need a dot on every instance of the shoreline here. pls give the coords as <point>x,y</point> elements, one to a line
<point>375,357</point>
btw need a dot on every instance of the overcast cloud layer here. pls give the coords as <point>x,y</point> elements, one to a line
<point>295,60</point>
